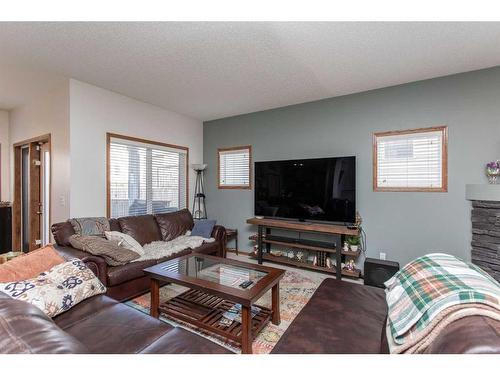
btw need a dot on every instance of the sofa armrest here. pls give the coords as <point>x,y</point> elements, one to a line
<point>68,252</point>
<point>219,233</point>
<point>97,264</point>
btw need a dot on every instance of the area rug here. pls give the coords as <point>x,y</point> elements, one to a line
<point>296,289</point>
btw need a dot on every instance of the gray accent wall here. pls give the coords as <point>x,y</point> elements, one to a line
<point>403,225</point>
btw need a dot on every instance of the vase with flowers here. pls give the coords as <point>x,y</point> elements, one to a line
<point>493,171</point>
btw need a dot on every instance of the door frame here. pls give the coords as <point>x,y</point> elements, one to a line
<point>16,206</point>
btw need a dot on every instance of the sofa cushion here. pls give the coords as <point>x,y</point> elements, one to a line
<point>90,226</point>
<point>30,265</point>
<point>212,248</point>
<point>174,224</point>
<point>360,313</point>
<point>114,225</point>
<point>180,341</point>
<point>133,270</point>
<point>143,228</point>
<point>58,289</point>
<point>113,254</point>
<point>25,329</point>
<point>62,232</point>
<point>83,310</point>
<point>117,328</point>
<point>127,272</point>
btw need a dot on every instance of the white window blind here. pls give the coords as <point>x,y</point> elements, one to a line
<point>145,178</point>
<point>234,168</point>
<point>411,160</point>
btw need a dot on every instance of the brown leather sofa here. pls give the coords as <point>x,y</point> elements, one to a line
<point>98,325</point>
<point>127,281</point>
<point>343,317</point>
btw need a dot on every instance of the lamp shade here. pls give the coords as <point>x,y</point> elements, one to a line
<point>198,167</point>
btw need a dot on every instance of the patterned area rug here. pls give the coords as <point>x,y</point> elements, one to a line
<point>295,291</point>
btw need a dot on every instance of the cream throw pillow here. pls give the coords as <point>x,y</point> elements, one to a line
<point>126,241</point>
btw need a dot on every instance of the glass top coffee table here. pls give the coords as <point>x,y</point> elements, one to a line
<point>217,300</point>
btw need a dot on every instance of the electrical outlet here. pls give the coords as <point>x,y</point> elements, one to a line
<point>382,256</point>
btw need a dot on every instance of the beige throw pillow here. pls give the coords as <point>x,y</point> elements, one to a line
<point>126,241</point>
<point>113,254</point>
<point>58,289</point>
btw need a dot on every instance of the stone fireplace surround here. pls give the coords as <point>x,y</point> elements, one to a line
<point>485,218</point>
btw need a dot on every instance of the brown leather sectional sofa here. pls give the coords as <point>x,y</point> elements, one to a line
<point>127,281</point>
<point>343,317</point>
<point>98,325</point>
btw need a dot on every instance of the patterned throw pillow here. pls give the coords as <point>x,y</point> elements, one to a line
<point>90,226</point>
<point>57,290</point>
<point>126,241</point>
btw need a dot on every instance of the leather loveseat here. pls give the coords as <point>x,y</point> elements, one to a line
<point>98,325</point>
<point>127,281</point>
<point>343,318</point>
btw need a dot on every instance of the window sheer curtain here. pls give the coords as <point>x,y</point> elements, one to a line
<point>146,178</point>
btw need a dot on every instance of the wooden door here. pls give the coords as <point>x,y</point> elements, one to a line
<point>28,209</point>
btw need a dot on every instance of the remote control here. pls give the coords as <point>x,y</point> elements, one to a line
<point>246,284</point>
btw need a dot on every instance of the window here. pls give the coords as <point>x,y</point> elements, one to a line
<point>145,177</point>
<point>235,167</point>
<point>411,160</point>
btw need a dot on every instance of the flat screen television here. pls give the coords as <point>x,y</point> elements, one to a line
<point>307,189</point>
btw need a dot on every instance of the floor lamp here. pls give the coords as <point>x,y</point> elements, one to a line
<point>199,207</point>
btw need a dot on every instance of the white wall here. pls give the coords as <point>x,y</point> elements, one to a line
<point>95,111</point>
<point>47,114</point>
<point>5,155</point>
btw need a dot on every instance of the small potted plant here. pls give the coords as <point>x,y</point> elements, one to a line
<point>493,171</point>
<point>353,242</point>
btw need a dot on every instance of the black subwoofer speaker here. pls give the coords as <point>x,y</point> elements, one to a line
<point>378,271</point>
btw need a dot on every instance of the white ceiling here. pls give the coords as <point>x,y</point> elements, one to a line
<point>214,70</point>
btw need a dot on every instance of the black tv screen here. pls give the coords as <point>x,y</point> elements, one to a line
<point>307,189</point>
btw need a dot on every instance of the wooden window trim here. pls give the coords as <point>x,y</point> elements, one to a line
<point>141,140</point>
<point>244,187</point>
<point>444,160</point>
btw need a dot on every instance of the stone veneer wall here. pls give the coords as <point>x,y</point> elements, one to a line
<point>486,236</point>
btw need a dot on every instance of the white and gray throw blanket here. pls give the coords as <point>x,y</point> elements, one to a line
<point>161,249</point>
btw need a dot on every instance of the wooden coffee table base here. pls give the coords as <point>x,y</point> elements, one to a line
<point>205,311</point>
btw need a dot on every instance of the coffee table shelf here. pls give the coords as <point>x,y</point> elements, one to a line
<point>214,287</point>
<point>205,312</point>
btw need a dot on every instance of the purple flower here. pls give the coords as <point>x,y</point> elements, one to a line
<point>493,165</point>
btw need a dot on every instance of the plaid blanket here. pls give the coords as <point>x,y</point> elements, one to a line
<point>429,285</point>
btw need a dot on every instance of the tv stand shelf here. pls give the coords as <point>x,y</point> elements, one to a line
<point>300,244</point>
<point>265,240</point>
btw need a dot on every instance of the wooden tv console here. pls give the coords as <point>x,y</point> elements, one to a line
<point>264,236</point>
